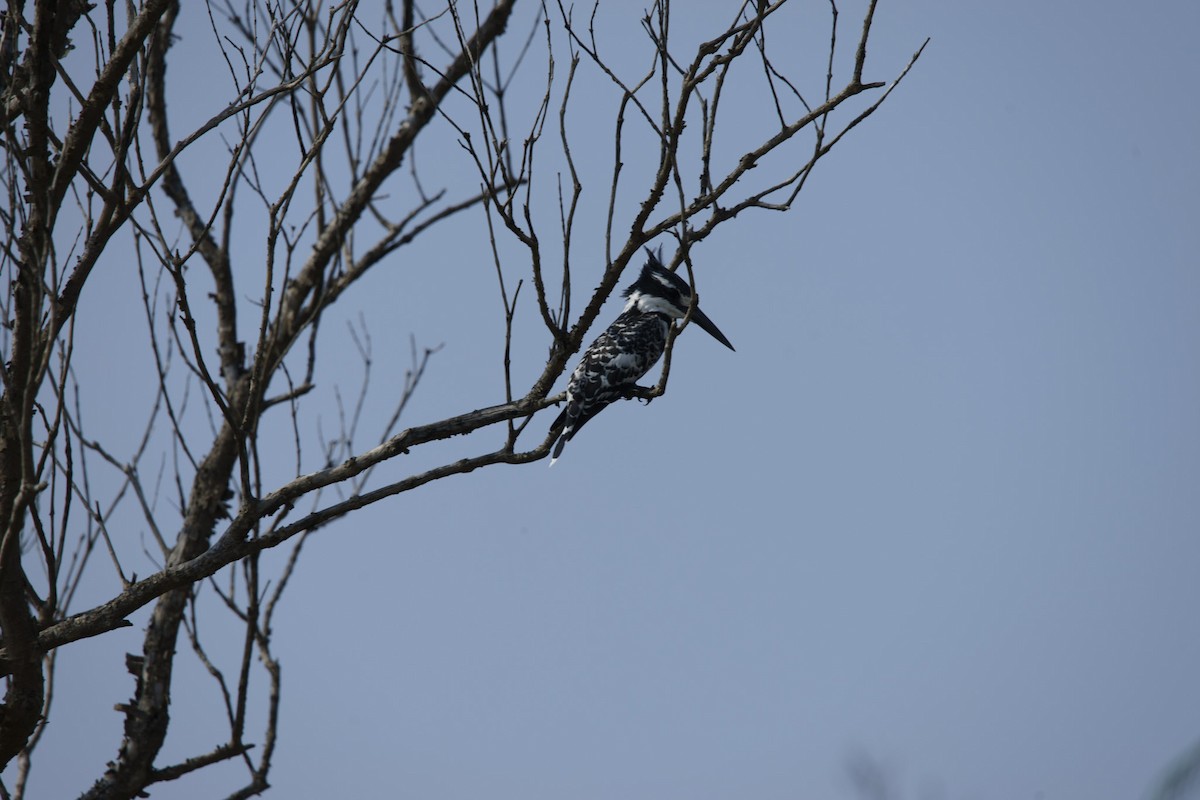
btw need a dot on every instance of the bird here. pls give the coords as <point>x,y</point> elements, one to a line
<point>632,344</point>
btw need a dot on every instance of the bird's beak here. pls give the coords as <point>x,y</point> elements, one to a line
<point>701,319</point>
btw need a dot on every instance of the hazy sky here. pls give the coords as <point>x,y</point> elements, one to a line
<point>940,508</point>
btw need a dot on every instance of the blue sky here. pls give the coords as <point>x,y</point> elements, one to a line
<point>939,508</point>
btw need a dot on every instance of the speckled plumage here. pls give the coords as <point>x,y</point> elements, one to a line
<point>617,359</point>
<point>626,351</point>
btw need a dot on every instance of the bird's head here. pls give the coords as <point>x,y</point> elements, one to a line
<point>660,291</point>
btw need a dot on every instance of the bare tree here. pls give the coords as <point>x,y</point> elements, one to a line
<point>108,158</point>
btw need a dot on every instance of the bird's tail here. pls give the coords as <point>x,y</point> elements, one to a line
<point>565,425</point>
<point>558,448</point>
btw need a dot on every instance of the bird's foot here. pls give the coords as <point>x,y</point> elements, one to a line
<point>643,393</point>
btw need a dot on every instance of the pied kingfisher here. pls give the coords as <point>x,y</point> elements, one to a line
<point>632,345</point>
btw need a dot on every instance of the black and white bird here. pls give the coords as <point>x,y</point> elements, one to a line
<point>625,352</point>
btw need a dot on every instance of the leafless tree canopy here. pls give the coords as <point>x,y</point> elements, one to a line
<point>311,154</point>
